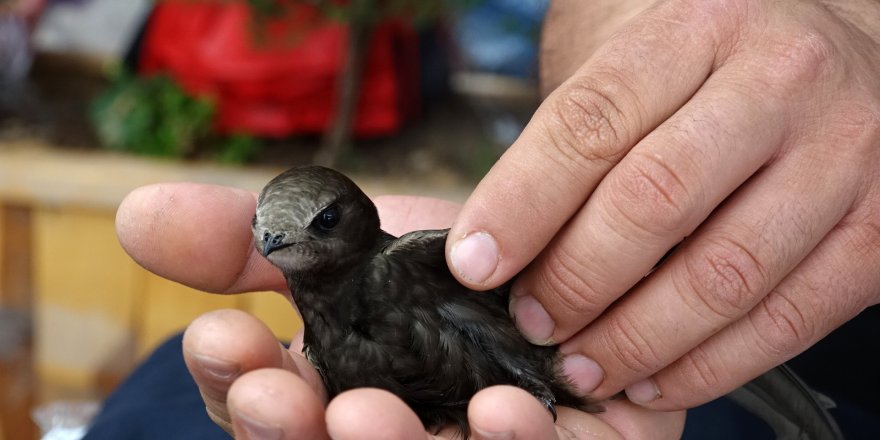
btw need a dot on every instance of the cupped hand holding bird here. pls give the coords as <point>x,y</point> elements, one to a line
<point>255,388</point>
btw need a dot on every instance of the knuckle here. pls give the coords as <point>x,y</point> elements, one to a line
<point>564,275</point>
<point>698,366</point>
<point>724,278</point>
<point>870,241</point>
<point>584,124</point>
<point>856,125</point>
<point>652,195</point>
<point>782,327</point>
<point>801,56</point>
<point>863,234</point>
<point>715,10</point>
<point>629,347</point>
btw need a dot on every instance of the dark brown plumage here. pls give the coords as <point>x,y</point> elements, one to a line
<point>385,312</point>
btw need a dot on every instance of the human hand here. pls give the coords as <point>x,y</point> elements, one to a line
<point>254,387</point>
<point>748,129</point>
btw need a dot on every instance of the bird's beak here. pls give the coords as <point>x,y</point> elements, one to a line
<point>267,248</point>
<point>275,242</point>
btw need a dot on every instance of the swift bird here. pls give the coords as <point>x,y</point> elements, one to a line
<point>385,312</point>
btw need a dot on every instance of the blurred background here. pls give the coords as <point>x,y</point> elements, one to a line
<point>98,97</point>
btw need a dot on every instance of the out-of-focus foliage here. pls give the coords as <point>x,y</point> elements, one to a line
<point>150,115</point>
<point>153,116</point>
<point>236,149</point>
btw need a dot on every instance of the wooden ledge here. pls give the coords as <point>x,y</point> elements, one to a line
<point>33,174</point>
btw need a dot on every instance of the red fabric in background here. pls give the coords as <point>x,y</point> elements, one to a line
<point>286,83</point>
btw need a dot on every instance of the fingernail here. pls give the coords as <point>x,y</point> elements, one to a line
<point>532,319</point>
<point>475,257</point>
<point>493,435</point>
<point>643,392</point>
<point>257,430</point>
<point>584,373</point>
<point>218,368</point>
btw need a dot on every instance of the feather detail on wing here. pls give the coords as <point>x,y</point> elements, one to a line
<point>429,243</point>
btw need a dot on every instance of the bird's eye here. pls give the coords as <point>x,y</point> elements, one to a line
<point>328,218</point>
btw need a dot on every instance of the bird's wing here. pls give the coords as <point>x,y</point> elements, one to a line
<point>456,325</point>
<point>428,244</point>
<point>427,251</point>
<point>427,318</point>
<point>788,405</point>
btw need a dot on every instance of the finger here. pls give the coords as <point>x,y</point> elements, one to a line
<point>166,227</point>
<point>578,134</point>
<point>175,230</point>
<point>276,404</point>
<point>220,346</point>
<point>834,283</point>
<point>369,413</point>
<point>509,412</point>
<point>723,270</point>
<point>666,186</point>
<point>631,421</point>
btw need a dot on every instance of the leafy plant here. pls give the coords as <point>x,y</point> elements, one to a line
<point>236,149</point>
<point>153,116</point>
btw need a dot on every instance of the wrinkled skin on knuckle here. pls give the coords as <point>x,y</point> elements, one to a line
<point>866,236</point>
<point>660,187</point>
<point>802,310</point>
<point>785,329</point>
<point>702,373</point>
<point>652,199</point>
<point>854,120</point>
<point>724,21</point>
<point>584,125</point>
<point>871,227</point>
<point>709,9</point>
<point>802,57</point>
<point>629,347</point>
<point>810,55</point>
<point>861,230</point>
<point>565,277</point>
<point>723,278</point>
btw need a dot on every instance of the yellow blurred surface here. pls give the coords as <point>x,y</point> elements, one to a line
<point>94,312</point>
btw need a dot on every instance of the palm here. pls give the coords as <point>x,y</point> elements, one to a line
<point>250,382</point>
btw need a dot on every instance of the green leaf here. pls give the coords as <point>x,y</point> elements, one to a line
<point>151,116</point>
<point>236,149</point>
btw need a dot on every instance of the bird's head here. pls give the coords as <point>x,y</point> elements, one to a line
<point>313,219</point>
